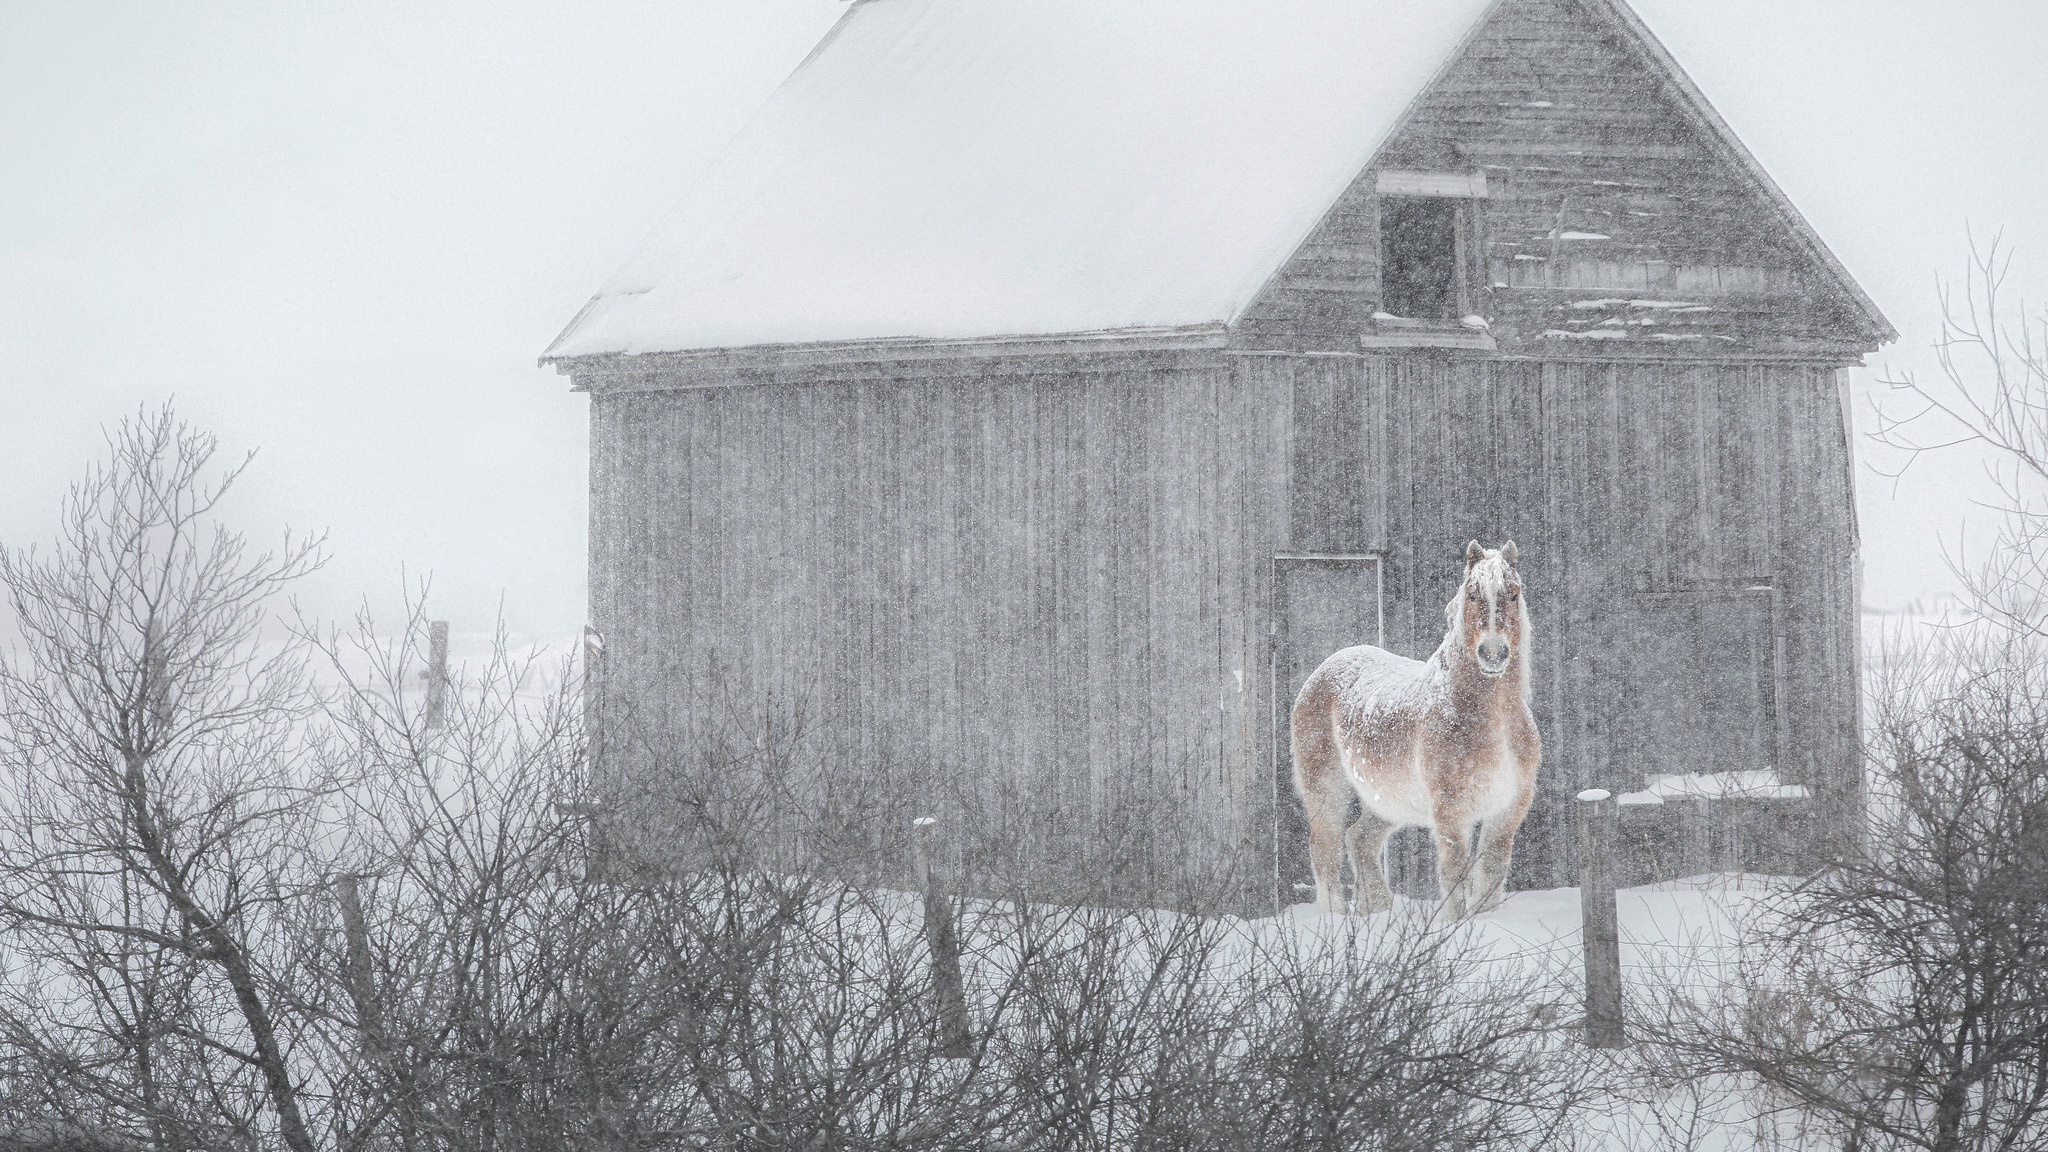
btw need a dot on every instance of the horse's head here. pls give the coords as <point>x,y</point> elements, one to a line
<point>1488,616</point>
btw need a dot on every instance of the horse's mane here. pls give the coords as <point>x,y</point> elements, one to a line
<point>1492,575</point>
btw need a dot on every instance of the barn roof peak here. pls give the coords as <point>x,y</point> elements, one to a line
<point>971,169</point>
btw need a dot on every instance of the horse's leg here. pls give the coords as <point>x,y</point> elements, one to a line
<point>1326,807</point>
<point>1453,863</point>
<point>1496,849</point>
<point>1367,839</point>
<point>1325,794</point>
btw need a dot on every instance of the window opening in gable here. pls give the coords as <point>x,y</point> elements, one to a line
<point>1420,277</point>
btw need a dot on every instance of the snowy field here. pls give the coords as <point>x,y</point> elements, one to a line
<point>1673,934</point>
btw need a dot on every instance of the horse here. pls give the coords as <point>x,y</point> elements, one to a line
<point>1447,743</point>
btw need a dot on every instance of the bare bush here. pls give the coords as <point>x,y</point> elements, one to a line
<point>1899,1000</point>
<point>237,913</point>
<point>1991,395</point>
<point>158,789</point>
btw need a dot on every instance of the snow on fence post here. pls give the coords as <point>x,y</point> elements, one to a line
<point>947,987</point>
<point>437,672</point>
<point>1601,926</point>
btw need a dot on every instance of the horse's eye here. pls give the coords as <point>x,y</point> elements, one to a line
<point>1514,593</point>
<point>1472,595</point>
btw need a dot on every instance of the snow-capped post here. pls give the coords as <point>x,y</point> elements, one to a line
<point>437,672</point>
<point>358,970</point>
<point>1601,923</point>
<point>947,987</point>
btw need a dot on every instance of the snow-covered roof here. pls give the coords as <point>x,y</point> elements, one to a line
<point>980,168</point>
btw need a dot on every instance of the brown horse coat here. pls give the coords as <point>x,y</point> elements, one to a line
<point>1446,743</point>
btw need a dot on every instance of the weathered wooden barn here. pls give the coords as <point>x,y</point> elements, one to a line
<point>1039,388</point>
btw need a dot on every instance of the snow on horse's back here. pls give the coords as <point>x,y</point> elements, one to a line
<point>1446,743</point>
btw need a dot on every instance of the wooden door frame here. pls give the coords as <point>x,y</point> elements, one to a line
<point>1279,721</point>
<point>1740,588</point>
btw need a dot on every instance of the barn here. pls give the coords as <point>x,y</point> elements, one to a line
<point>1038,389</point>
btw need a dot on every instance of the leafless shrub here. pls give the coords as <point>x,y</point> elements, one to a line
<point>158,788</point>
<point>1992,395</point>
<point>1899,1000</point>
<point>1412,1039</point>
<point>237,912</point>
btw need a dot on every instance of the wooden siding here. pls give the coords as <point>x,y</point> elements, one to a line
<point>1630,488</point>
<point>1058,586</point>
<point>1578,136</point>
<point>1039,584</point>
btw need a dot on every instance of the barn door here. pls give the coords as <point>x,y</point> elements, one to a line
<point>1321,604</point>
<point>1707,693</point>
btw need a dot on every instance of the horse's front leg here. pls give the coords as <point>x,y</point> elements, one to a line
<point>1496,849</point>
<point>1497,845</point>
<point>1367,840</point>
<point>1453,864</point>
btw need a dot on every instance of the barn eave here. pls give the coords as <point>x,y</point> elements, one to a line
<point>994,355</point>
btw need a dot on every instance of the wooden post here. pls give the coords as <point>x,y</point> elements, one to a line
<point>437,672</point>
<point>947,987</point>
<point>593,699</point>
<point>357,969</point>
<point>156,678</point>
<point>1601,923</point>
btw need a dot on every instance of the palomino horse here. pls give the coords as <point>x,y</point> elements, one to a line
<point>1447,743</point>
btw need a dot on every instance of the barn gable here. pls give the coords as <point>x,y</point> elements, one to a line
<point>1599,207</point>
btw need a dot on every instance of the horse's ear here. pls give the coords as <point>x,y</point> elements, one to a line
<point>1509,554</point>
<point>1473,555</point>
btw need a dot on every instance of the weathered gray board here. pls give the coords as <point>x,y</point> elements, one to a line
<point>1060,574</point>
<point>1045,579</point>
<point>1322,603</point>
<point>1616,221</point>
<point>1687,533</point>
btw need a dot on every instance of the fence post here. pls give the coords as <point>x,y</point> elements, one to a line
<point>596,842</point>
<point>437,672</point>
<point>357,966</point>
<point>947,986</point>
<point>1601,926</point>
<point>156,676</point>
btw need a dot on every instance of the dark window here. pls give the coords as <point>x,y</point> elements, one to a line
<point>1419,257</point>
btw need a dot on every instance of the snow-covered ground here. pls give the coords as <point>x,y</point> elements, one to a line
<point>1673,933</point>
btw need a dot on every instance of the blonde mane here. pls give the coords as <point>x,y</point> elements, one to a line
<point>1491,576</point>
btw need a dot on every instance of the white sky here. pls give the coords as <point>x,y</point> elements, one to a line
<point>341,233</point>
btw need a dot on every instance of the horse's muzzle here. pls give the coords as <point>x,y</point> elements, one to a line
<point>1493,656</point>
